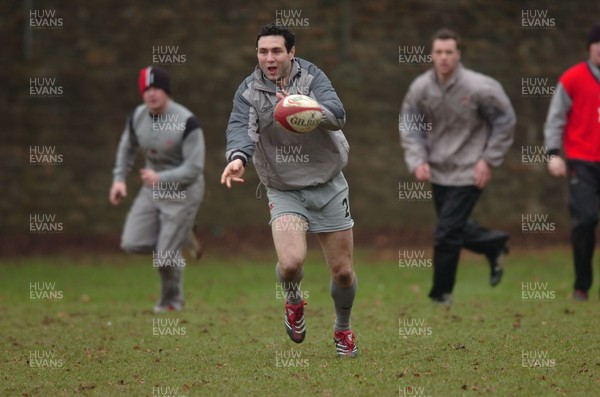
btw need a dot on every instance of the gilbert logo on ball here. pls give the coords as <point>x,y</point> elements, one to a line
<point>298,113</point>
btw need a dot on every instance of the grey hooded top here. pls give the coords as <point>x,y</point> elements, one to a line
<point>286,160</point>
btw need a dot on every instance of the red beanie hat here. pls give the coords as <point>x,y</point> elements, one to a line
<point>154,77</point>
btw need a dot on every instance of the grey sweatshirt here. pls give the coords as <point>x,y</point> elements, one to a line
<point>452,127</point>
<point>173,144</point>
<point>285,160</point>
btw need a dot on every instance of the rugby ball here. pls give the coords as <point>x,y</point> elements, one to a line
<point>298,113</point>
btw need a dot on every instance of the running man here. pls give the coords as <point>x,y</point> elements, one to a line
<point>471,124</point>
<point>573,121</point>
<point>309,196</point>
<point>161,218</point>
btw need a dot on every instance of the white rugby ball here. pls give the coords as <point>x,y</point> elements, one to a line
<point>298,113</point>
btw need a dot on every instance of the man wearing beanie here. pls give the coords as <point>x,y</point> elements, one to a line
<point>163,213</point>
<point>573,123</point>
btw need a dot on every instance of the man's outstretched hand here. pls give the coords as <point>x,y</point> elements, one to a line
<point>233,172</point>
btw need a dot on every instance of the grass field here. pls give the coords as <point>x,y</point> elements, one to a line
<point>93,332</point>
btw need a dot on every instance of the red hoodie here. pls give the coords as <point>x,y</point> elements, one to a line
<point>581,139</point>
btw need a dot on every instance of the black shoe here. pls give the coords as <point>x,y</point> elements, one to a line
<point>497,265</point>
<point>444,299</point>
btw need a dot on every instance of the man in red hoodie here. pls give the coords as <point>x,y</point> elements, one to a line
<point>573,122</point>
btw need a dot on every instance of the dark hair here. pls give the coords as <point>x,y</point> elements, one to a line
<point>594,35</point>
<point>276,30</point>
<point>447,34</point>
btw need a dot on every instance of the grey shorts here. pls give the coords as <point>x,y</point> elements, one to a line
<point>326,207</point>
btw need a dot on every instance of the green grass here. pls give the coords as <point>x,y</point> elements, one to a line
<point>102,331</point>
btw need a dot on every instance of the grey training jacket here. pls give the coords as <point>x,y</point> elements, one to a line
<point>285,160</point>
<point>454,126</point>
<point>173,144</point>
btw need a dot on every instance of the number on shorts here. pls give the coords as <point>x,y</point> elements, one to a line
<point>345,204</point>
